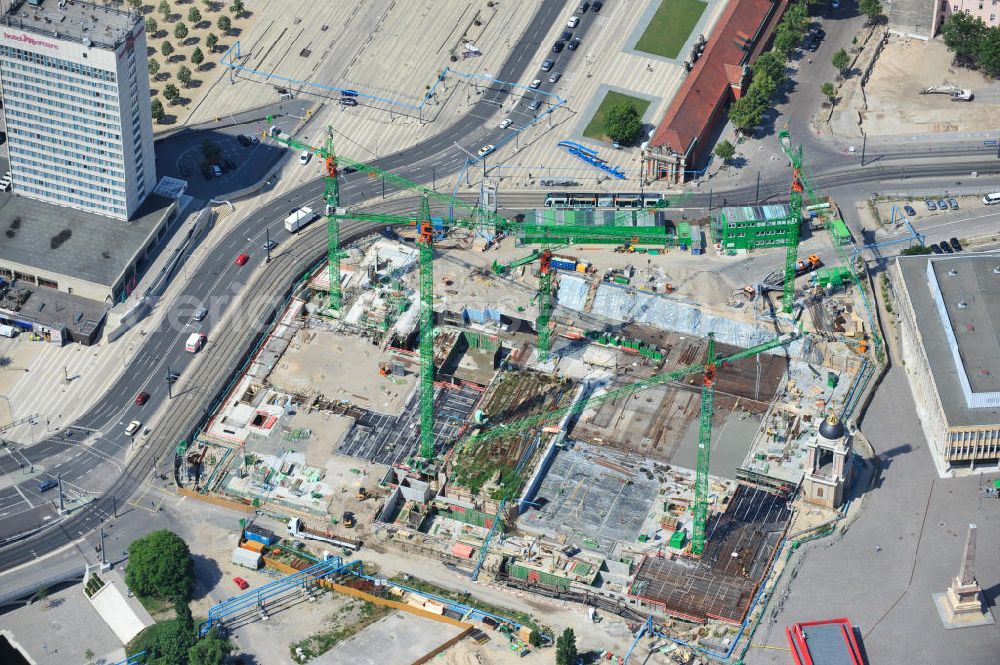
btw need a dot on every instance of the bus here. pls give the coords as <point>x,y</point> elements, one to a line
<point>991,199</point>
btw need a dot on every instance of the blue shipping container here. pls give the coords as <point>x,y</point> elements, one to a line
<point>261,535</point>
<point>563,265</point>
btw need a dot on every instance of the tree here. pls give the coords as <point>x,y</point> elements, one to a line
<point>829,91</point>
<point>156,109</point>
<point>165,643</point>
<point>988,55</point>
<point>134,4</point>
<point>746,113</point>
<point>224,24</point>
<point>210,650</point>
<point>194,15</point>
<point>962,34</point>
<point>841,61</point>
<point>725,150</point>
<point>152,27</point>
<point>171,93</point>
<point>88,655</point>
<point>154,67</point>
<point>211,40</point>
<point>237,8</point>
<point>210,151</point>
<point>622,122</point>
<point>159,564</point>
<point>770,65</point>
<point>197,57</point>
<point>785,39</point>
<point>184,75</point>
<point>166,48</point>
<point>180,30</point>
<point>872,9</point>
<point>164,9</point>
<point>566,648</point>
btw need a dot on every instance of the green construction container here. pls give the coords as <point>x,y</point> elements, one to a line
<point>684,233</point>
<point>621,279</point>
<point>832,379</point>
<point>678,539</point>
<point>643,538</point>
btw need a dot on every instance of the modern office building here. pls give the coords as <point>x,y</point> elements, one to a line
<point>75,87</point>
<point>750,227</point>
<point>950,311</point>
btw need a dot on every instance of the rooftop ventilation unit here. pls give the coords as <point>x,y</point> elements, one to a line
<point>996,270</point>
<point>952,273</point>
<point>962,304</point>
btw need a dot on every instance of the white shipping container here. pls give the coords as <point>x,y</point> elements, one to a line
<point>246,558</point>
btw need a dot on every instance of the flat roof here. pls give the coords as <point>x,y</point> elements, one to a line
<point>103,26</point>
<point>829,642</point>
<point>53,308</point>
<point>967,345</point>
<point>737,214</point>
<point>97,248</point>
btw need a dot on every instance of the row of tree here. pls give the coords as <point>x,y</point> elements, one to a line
<point>973,42</point>
<point>160,566</point>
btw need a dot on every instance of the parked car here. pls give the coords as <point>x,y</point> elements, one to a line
<point>558,47</point>
<point>227,165</point>
<point>953,204</point>
<point>348,101</point>
<point>955,244</point>
<point>555,77</point>
<point>573,22</point>
<point>270,244</point>
<point>206,172</point>
<point>566,36</point>
<point>535,103</point>
<point>534,84</point>
<point>946,248</point>
<point>505,123</point>
<point>582,9</point>
<point>573,45</point>
<point>241,583</point>
<point>304,157</point>
<point>244,140</point>
<point>486,149</point>
<point>242,259</point>
<point>930,204</point>
<point>908,209</point>
<point>942,204</point>
<point>547,65</point>
<point>142,398</point>
<point>217,170</point>
<point>935,248</point>
<point>596,6</point>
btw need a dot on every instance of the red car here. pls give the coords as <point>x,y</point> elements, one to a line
<point>242,259</point>
<point>241,583</point>
<point>142,398</point>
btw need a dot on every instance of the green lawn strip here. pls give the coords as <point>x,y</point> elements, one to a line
<point>670,27</point>
<point>595,128</point>
<point>320,643</point>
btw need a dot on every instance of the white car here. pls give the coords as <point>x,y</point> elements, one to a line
<point>507,122</point>
<point>573,22</point>
<point>132,428</point>
<point>486,149</point>
<point>304,157</point>
<point>534,84</point>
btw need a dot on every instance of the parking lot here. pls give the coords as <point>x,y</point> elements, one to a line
<point>961,218</point>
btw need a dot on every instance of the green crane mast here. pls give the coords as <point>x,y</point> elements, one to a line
<point>704,450</point>
<point>331,195</point>
<point>425,244</point>
<point>795,212</point>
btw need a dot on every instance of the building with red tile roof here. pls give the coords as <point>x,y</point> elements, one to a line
<point>720,75</point>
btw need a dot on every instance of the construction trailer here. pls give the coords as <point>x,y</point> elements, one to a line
<point>750,227</point>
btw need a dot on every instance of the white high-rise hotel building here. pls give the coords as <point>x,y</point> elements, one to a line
<point>75,85</point>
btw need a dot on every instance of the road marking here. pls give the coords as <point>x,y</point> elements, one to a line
<point>23,496</point>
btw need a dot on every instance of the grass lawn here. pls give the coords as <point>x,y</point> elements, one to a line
<point>595,128</point>
<point>670,27</point>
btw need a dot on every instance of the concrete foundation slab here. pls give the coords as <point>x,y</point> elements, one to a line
<point>969,621</point>
<point>399,638</point>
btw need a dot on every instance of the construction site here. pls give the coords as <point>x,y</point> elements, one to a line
<point>613,421</point>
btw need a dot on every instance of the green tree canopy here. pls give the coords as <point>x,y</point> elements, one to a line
<point>164,9</point>
<point>725,150</point>
<point>828,90</point>
<point>166,48</point>
<point>194,15</point>
<point>154,67</point>
<point>841,61</point>
<point>237,8</point>
<point>152,27</point>
<point>785,39</point>
<point>210,650</point>
<point>770,65</point>
<point>211,40</point>
<point>135,4</point>
<point>224,23</point>
<point>566,648</point>
<point>184,75</point>
<point>872,9</point>
<point>211,151</point>
<point>180,30</point>
<point>988,54</point>
<point>962,34</point>
<point>622,122</point>
<point>746,113</point>
<point>159,564</point>
<point>197,57</point>
<point>156,109</point>
<point>165,643</point>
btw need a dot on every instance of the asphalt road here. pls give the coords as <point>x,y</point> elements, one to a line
<point>99,436</point>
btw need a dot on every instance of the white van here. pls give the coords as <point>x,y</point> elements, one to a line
<point>991,199</point>
<point>194,342</point>
<point>299,218</point>
<point>8,331</point>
